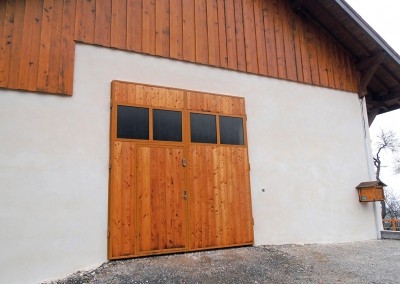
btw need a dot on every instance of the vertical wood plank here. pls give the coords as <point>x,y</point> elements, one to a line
<point>189,41</point>
<point>6,40</point>
<point>330,67</point>
<point>239,29</point>
<point>222,34</point>
<point>176,29</point>
<point>149,27</point>
<point>354,75</point>
<point>342,70</point>
<point>127,194</point>
<point>270,45</point>
<point>327,49</point>
<point>85,20</point>
<point>144,199</point>
<point>312,53</point>
<point>35,46</point>
<point>213,33</point>
<point>335,62</point>
<point>102,30</point>
<point>260,38</point>
<point>115,213</point>
<point>118,24</point>
<point>304,48</point>
<point>349,77</point>
<point>16,43</point>
<point>79,24</point>
<point>223,196</point>
<point>288,40</point>
<point>23,79</point>
<point>201,31</point>
<point>250,37</point>
<point>134,25</point>
<point>279,40</point>
<point>211,201</point>
<point>295,27</point>
<point>203,236</point>
<point>66,75</point>
<point>55,48</point>
<point>321,54</point>
<point>44,51</point>
<point>162,27</point>
<point>231,34</point>
<point>3,5</point>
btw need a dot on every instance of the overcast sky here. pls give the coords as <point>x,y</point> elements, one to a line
<point>384,17</point>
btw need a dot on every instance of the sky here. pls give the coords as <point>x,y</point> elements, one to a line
<point>383,17</point>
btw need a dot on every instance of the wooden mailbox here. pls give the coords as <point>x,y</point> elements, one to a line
<point>371,191</point>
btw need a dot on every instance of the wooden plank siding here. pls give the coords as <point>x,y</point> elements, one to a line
<point>264,37</point>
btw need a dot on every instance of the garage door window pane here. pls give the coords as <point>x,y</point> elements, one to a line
<point>231,129</point>
<point>132,122</point>
<point>203,128</point>
<point>167,125</point>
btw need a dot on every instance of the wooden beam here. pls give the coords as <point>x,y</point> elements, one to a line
<point>374,104</point>
<point>297,4</point>
<point>372,114</point>
<point>368,68</point>
<point>392,96</point>
<point>365,63</point>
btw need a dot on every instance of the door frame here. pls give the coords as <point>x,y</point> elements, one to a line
<point>185,109</point>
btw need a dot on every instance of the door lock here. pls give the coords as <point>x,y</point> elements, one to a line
<point>184,195</point>
<point>184,162</point>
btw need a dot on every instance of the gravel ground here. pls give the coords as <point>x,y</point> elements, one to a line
<point>359,262</point>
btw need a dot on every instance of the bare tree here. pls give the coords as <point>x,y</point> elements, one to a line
<point>392,205</point>
<point>396,166</point>
<point>386,141</point>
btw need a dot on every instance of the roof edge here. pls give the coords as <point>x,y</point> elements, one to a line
<point>369,30</point>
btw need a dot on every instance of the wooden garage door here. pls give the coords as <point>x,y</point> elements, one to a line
<point>179,171</point>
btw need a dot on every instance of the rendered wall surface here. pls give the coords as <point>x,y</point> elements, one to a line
<point>306,149</point>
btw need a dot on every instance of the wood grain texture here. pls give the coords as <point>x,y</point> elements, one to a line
<point>263,37</point>
<point>215,103</point>
<point>122,199</point>
<point>145,95</point>
<point>160,203</point>
<point>220,204</point>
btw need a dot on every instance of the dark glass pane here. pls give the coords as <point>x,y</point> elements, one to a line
<point>203,128</point>
<point>132,122</point>
<point>231,129</point>
<point>167,125</point>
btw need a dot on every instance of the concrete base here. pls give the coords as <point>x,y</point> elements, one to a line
<point>391,235</point>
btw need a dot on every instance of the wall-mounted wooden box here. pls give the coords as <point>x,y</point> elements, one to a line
<point>371,191</point>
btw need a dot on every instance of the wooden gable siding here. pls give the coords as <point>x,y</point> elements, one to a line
<point>37,45</point>
<point>262,37</point>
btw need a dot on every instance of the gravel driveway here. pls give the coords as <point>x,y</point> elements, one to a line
<point>375,261</point>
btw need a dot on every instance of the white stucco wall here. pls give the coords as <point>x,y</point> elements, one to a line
<point>306,148</point>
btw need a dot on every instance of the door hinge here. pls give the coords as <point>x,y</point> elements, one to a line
<point>108,233</point>
<point>111,104</point>
<point>183,162</point>
<point>109,166</point>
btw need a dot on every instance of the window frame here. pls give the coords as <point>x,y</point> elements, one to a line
<point>243,133</point>
<point>217,115</point>
<point>151,130</point>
